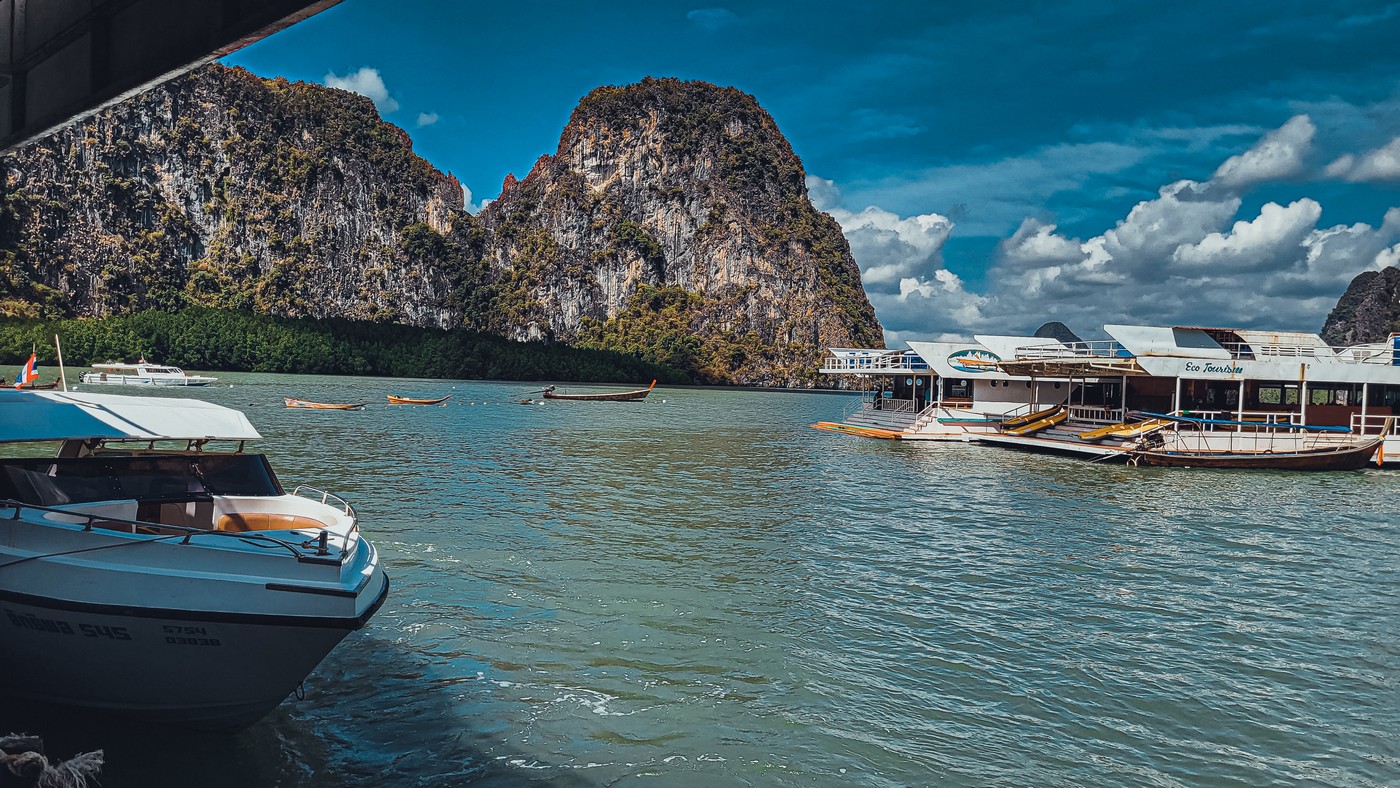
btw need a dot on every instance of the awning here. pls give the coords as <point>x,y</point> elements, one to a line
<point>58,415</point>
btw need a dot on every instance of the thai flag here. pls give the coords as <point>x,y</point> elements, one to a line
<point>30,373</point>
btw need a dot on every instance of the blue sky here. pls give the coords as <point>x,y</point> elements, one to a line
<point>994,165</point>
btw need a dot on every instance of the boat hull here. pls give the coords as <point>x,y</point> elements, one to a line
<point>307,405</point>
<point>91,379</point>
<point>621,396</point>
<point>393,400</point>
<point>614,396</point>
<point>213,628</point>
<point>189,667</point>
<point>1350,458</point>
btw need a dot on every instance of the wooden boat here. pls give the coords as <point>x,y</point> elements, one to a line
<point>1339,457</point>
<point>301,403</point>
<point>619,396</point>
<point>39,386</point>
<point>393,400</point>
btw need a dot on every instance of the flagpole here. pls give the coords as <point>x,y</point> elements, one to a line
<point>61,375</point>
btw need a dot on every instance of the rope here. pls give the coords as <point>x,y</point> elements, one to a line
<point>33,768</point>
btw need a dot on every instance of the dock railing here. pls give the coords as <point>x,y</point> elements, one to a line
<point>1371,424</point>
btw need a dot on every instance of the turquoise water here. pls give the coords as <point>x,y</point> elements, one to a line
<point>700,591</point>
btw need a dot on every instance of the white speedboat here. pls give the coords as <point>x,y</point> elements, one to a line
<point>144,573</point>
<point>141,373</point>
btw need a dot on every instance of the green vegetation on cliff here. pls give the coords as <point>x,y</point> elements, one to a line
<point>661,326</point>
<point>199,338</point>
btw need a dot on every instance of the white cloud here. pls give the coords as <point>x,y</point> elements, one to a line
<point>1335,255</point>
<point>1179,258</point>
<point>999,194</point>
<point>887,247</point>
<point>1035,243</point>
<point>1272,240</point>
<point>1388,257</point>
<point>1185,256</point>
<point>929,308</point>
<point>1183,212</point>
<point>469,205</point>
<point>1381,164</point>
<point>427,119</point>
<point>1279,155</point>
<point>1341,167</point>
<point>367,83</point>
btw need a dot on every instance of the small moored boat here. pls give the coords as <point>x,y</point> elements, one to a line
<point>1341,457</point>
<point>618,396</point>
<point>307,404</point>
<point>1327,452</point>
<point>142,374</point>
<point>393,400</point>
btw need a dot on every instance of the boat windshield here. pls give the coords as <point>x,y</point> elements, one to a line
<point>52,481</point>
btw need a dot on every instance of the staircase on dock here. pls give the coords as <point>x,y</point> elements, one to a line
<point>895,415</point>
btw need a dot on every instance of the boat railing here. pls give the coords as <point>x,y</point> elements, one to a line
<point>1187,436</point>
<point>1257,421</point>
<point>333,501</point>
<point>1095,414</point>
<point>869,402</point>
<point>907,362</point>
<point>1375,353</point>
<point>156,532</point>
<point>1102,348</point>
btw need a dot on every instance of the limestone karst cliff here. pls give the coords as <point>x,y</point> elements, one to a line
<point>672,222</point>
<point>1369,311</point>
<point>678,203</point>
<point>225,189</point>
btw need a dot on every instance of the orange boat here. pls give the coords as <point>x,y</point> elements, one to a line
<point>301,403</point>
<point>393,400</point>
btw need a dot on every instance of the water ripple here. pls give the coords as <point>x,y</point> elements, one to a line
<point>701,590</point>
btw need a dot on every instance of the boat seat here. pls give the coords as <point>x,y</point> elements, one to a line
<point>267,521</point>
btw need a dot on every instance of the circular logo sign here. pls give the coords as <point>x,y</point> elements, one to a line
<point>974,361</point>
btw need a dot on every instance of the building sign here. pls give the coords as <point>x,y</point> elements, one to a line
<point>974,361</point>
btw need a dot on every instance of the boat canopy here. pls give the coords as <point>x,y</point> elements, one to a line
<point>1164,341</point>
<point>67,415</point>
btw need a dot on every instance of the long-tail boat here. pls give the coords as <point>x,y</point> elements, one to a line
<point>617,396</point>
<point>1339,457</point>
<point>301,403</point>
<point>393,400</point>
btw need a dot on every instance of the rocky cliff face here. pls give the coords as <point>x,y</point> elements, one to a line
<point>1057,331</point>
<point>1369,311</point>
<point>224,189</point>
<point>672,222</point>
<point>678,206</point>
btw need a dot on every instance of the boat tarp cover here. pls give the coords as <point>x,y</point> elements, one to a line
<point>60,415</point>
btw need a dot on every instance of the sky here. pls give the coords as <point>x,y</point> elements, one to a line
<point>994,165</point>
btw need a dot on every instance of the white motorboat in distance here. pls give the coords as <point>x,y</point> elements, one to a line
<point>141,373</point>
<point>144,573</point>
